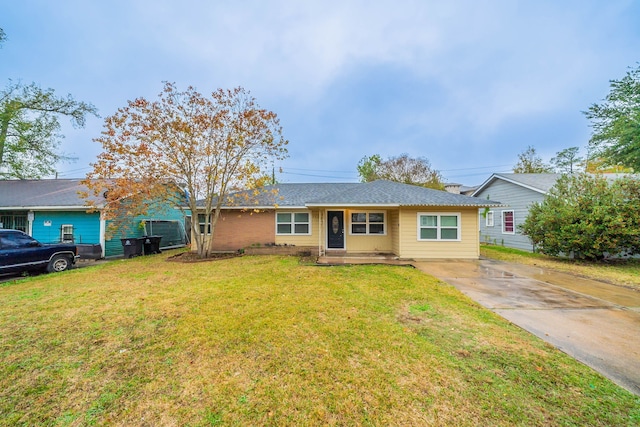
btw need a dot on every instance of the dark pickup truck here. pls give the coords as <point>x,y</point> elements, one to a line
<point>20,252</point>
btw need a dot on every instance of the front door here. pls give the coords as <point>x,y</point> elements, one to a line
<point>335,229</point>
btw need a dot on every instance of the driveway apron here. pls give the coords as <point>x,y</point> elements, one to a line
<point>595,322</point>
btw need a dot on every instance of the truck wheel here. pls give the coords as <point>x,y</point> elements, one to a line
<point>58,263</point>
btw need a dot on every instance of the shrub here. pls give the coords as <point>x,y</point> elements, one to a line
<point>587,217</point>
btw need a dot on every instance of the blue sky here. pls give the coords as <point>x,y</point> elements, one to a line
<point>468,84</point>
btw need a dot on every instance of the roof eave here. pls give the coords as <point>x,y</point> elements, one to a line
<point>440,205</point>
<point>359,205</point>
<point>228,208</point>
<point>47,208</point>
<point>352,205</point>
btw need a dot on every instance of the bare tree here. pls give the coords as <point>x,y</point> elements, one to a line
<point>404,169</point>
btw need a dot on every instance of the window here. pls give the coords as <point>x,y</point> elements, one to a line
<point>438,226</point>
<point>367,223</point>
<point>17,240</point>
<point>15,220</point>
<point>201,222</point>
<point>508,224</point>
<point>66,233</point>
<point>293,223</point>
<point>489,219</point>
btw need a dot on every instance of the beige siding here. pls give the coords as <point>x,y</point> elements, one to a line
<point>411,247</point>
<point>299,240</point>
<point>394,231</point>
<point>368,243</point>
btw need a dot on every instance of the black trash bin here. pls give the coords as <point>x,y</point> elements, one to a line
<point>132,246</point>
<point>151,244</point>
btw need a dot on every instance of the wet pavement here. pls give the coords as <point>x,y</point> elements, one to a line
<point>597,323</point>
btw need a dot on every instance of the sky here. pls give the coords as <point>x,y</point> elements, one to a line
<point>467,84</point>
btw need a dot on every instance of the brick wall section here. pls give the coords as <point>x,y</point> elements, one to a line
<point>236,230</point>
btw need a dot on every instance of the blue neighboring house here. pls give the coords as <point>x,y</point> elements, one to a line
<point>52,211</point>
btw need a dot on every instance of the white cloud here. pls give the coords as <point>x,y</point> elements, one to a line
<point>482,65</point>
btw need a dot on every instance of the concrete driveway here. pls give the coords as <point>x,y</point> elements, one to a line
<point>595,322</point>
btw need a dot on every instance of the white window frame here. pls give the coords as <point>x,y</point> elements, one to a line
<point>367,223</point>
<point>489,221</point>
<point>293,223</point>
<point>439,227</point>
<point>62,233</point>
<point>513,221</point>
<point>202,222</point>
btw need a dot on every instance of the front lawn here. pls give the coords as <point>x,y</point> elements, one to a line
<point>268,341</point>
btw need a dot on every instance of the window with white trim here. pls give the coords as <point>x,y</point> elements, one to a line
<point>201,222</point>
<point>66,233</point>
<point>489,219</point>
<point>508,222</point>
<point>293,223</point>
<point>438,226</point>
<point>368,223</point>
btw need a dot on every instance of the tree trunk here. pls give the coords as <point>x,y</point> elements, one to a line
<point>4,129</point>
<point>214,222</point>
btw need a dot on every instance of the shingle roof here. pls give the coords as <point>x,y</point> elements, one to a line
<point>41,193</point>
<point>394,193</point>
<point>376,193</point>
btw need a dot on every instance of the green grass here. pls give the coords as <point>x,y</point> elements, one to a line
<point>621,272</point>
<point>268,341</point>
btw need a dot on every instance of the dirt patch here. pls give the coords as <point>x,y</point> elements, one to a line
<point>308,259</point>
<point>188,257</point>
<point>406,317</point>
